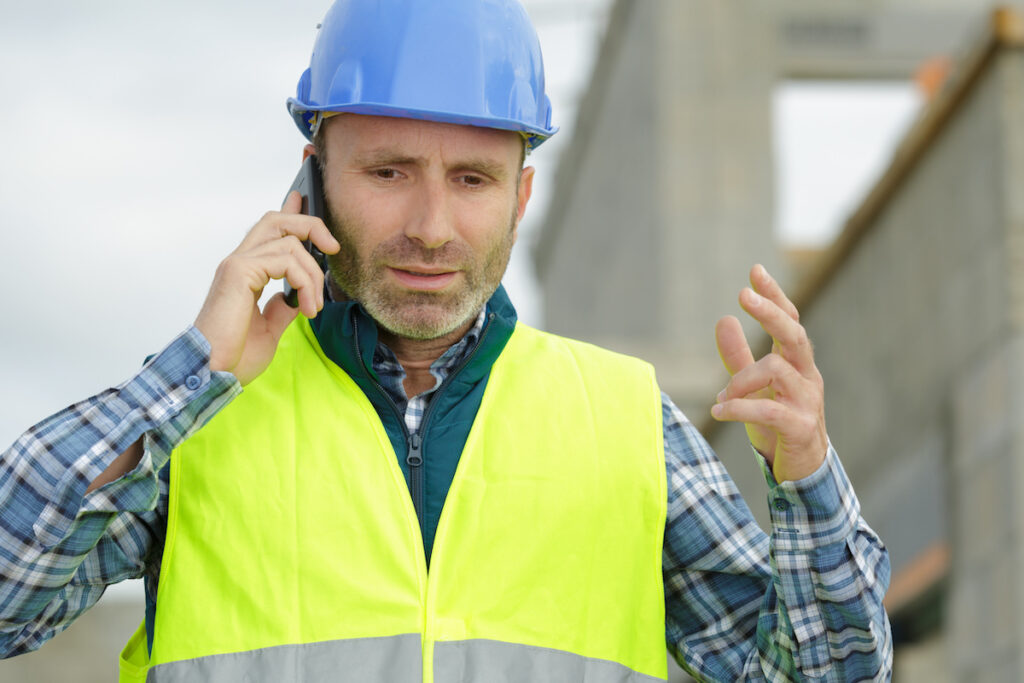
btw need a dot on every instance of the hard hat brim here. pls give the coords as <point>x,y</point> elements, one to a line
<point>303,116</point>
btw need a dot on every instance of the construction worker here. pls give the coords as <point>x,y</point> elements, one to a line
<point>412,486</point>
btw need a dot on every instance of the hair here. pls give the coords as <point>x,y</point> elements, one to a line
<point>320,142</point>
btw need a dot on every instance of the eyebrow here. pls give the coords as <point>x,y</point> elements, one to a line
<point>485,166</point>
<point>389,157</point>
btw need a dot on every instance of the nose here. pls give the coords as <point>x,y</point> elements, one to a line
<point>432,225</point>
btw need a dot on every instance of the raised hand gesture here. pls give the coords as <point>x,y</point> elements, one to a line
<point>780,397</point>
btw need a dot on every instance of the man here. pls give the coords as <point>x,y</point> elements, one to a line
<point>411,485</point>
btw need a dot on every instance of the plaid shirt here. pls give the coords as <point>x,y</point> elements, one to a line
<point>804,601</point>
<point>392,374</point>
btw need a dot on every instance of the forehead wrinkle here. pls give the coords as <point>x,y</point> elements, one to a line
<point>483,165</point>
<point>383,156</point>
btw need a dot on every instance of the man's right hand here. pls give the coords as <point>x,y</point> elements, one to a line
<point>242,338</point>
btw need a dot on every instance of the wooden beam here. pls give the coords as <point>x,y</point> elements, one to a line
<point>920,575</point>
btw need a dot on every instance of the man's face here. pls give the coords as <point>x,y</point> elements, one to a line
<point>426,214</point>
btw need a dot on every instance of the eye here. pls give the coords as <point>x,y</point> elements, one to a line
<point>471,180</point>
<point>385,173</point>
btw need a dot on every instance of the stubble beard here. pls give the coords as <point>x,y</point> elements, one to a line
<point>417,314</point>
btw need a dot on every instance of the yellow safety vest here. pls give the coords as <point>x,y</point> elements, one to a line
<point>293,552</point>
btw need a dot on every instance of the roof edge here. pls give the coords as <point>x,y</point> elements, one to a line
<point>1004,29</point>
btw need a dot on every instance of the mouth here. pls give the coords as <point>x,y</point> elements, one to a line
<point>423,279</point>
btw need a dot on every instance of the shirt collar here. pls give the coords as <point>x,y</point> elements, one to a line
<point>392,374</point>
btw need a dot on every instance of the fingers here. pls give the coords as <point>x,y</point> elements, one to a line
<point>322,238</point>
<point>772,373</point>
<point>780,397</point>
<point>765,285</point>
<point>779,417</point>
<point>789,336</point>
<point>278,224</point>
<point>771,393</point>
<point>242,338</point>
<point>732,345</point>
<point>285,257</point>
<point>273,249</point>
<point>292,203</point>
<point>318,232</point>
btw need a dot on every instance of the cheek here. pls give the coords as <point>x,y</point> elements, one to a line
<point>484,224</point>
<point>379,220</point>
<point>363,224</point>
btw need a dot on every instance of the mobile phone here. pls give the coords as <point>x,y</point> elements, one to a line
<point>310,185</point>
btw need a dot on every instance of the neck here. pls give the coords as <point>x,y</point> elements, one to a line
<point>417,355</point>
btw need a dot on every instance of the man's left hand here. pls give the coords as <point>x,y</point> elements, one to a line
<point>780,397</point>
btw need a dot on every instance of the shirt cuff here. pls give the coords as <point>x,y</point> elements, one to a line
<point>187,394</point>
<point>819,510</point>
<point>175,387</point>
<point>169,382</point>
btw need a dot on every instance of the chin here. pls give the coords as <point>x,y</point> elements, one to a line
<point>423,325</point>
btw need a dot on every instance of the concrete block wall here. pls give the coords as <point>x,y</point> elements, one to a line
<point>985,470</point>
<point>668,179</point>
<point>988,455</point>
<point>610,197</point>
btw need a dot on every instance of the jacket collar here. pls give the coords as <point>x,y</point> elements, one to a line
<point>348,336</point>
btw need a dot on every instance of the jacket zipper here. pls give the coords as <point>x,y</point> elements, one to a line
<point>414,442</point>
<point>418,492</point>
<point>414,459</point>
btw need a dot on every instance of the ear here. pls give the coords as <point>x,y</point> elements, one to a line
<point>308,151</point>
<point>523,195</point>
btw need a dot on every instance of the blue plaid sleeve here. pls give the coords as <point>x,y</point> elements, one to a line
<point>803,602</point>
<point>60,548</point>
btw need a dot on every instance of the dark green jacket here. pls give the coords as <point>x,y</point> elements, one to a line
<point>348,336</point>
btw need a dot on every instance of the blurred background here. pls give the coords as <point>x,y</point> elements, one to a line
<point>870,154</point>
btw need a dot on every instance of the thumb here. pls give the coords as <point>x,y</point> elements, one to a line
<point>278,315</point>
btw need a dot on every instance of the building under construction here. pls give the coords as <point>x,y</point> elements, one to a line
<point>916,309</point>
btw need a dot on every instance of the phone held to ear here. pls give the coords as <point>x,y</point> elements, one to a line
<point>310,186</point>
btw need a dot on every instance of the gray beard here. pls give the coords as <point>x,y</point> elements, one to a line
<point>415,315</point>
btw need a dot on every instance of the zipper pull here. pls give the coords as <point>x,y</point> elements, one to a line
<point>414,459</point>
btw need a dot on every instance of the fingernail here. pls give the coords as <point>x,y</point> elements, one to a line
<point>755,298</point>
<point>716,410</point>
<point>721,396</point>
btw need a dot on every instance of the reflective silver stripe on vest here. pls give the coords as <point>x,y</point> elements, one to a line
<point>391,658</point>
<point>491,661</point>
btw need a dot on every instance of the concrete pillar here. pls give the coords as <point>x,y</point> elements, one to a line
<point>664,199</point>
<point>714,85</point>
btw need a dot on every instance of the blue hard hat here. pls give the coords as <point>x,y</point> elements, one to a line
<point>471,62</point>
